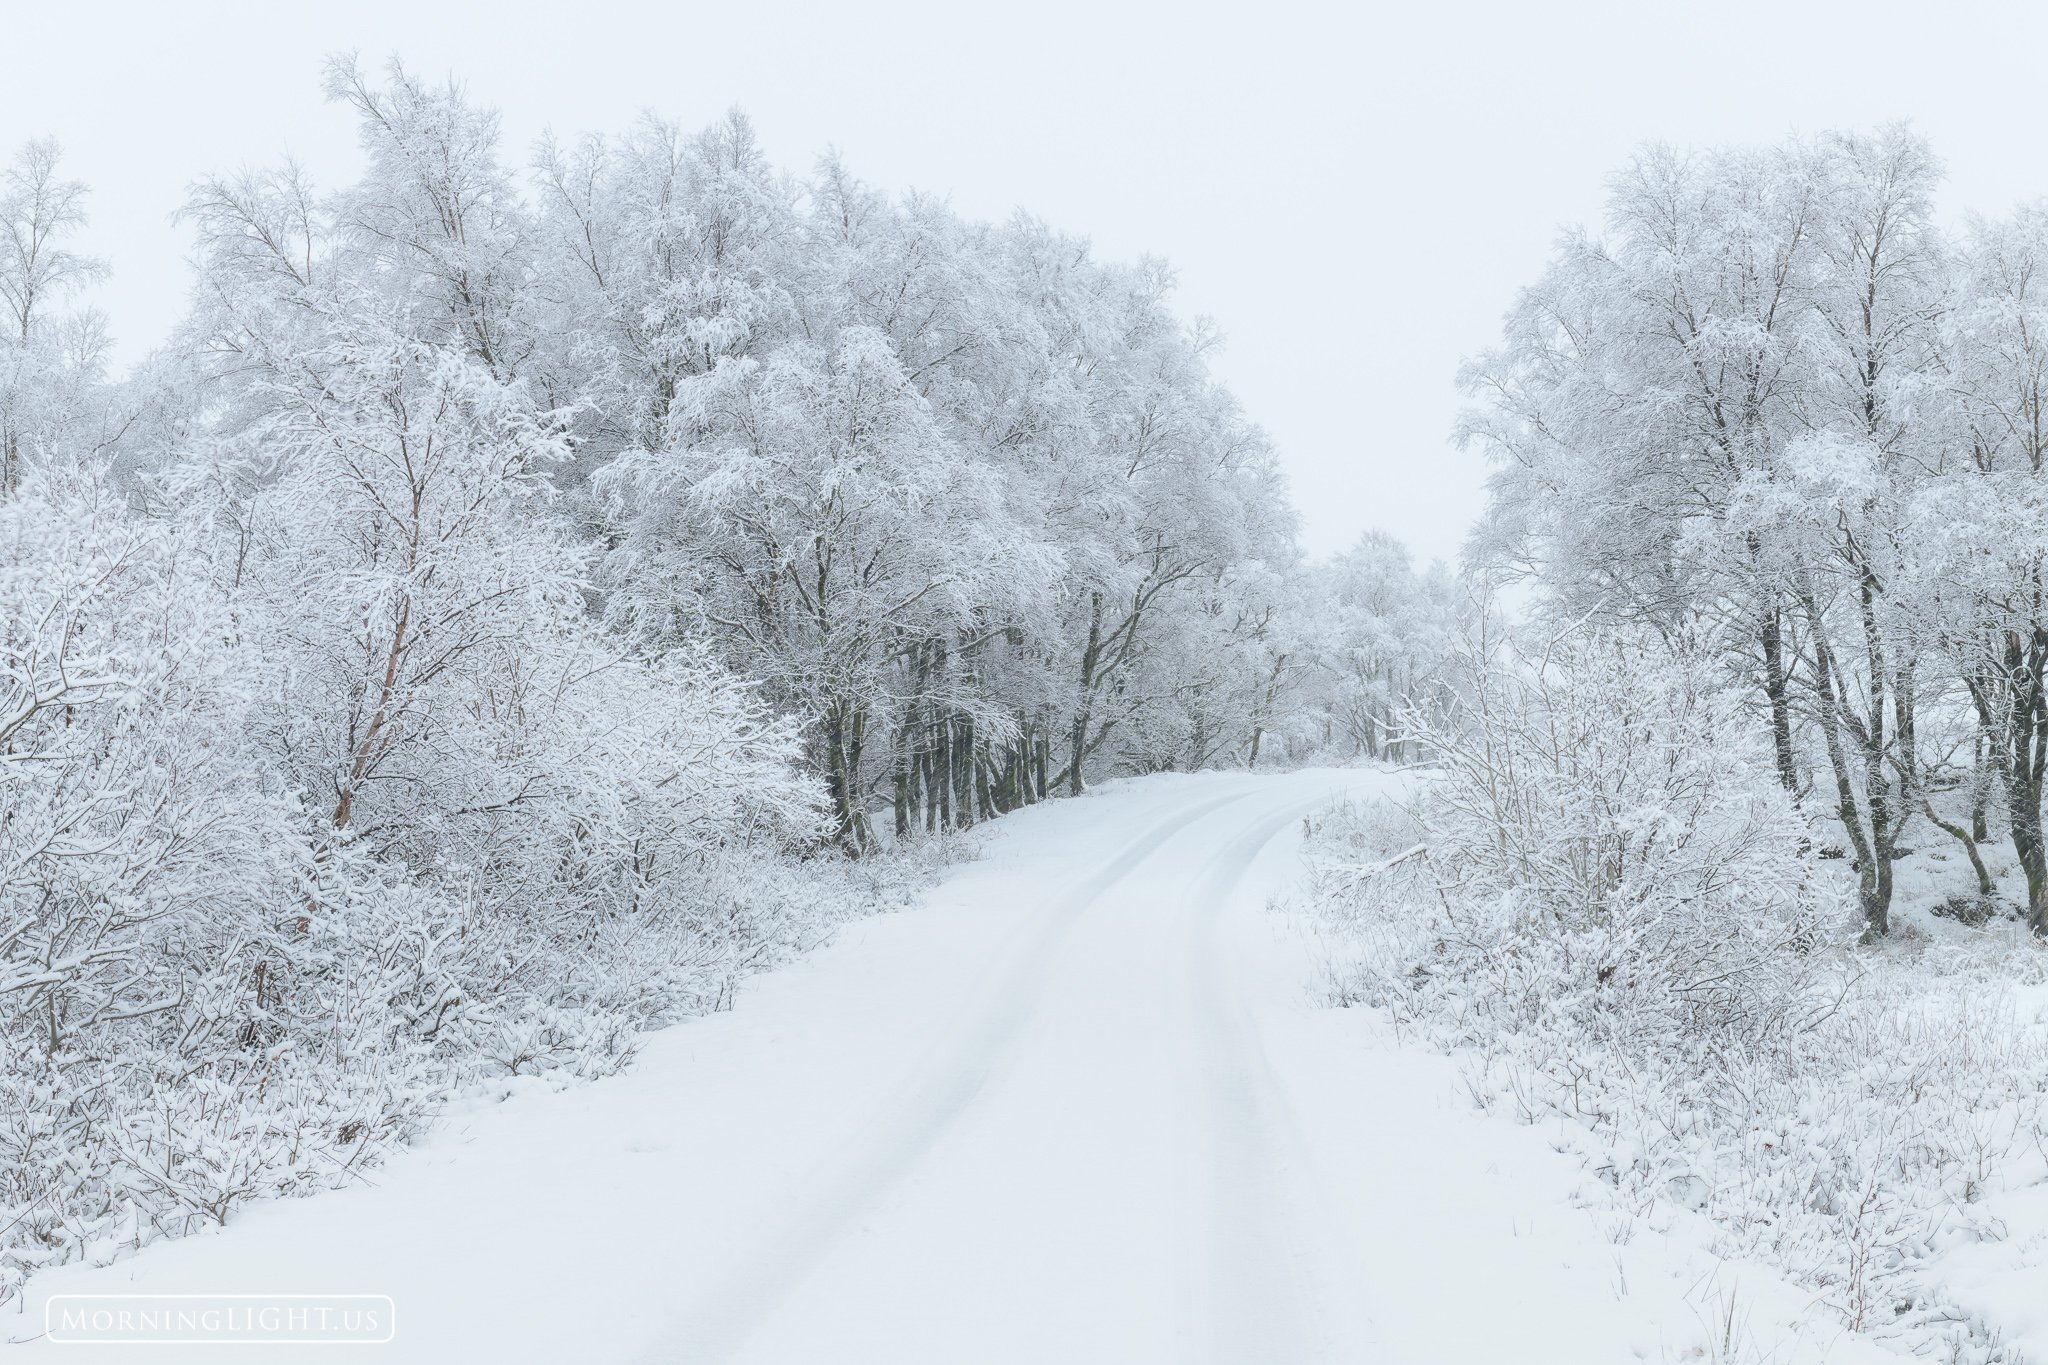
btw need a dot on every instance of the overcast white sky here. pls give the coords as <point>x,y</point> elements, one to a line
<point>1354,192</point>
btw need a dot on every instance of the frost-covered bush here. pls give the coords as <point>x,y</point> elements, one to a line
<point>536,818</point>
<point>213,990</point>
<point>1603,843</point>
<point>1851,1155</point>
<point>1603,900</point>
<point>148,859</point>
<point>131,803</point>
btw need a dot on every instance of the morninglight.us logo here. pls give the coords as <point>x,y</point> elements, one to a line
<point>219,1319</point>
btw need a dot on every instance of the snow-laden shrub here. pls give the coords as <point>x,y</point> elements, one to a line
<point>211,990</point>
<point>1850,1155</point>
<point>540,839</point>
<point>1603,843</point>
<point>1602,900</point>
<point>149,860</point>
<point>131,804</point>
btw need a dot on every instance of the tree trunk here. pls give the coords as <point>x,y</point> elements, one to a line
<point>1877,787</point>
<point>903,797</point>
<point>963,771</point>
<point>2026,762</point>
<point>1980,787</point>
<point>1080,752</point>
<point>1774,689</point>
<point>1875,907</point>
<point>1985,886</point>
<point>942,770</point>
<point>843,738</point>
<point>2012,712</point>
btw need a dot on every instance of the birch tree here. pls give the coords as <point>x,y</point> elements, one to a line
<point>51,363</point>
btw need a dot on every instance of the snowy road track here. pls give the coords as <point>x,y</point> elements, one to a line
<point>1030,1120</point>
<point>920,1120</point>
<point>1042,1196</point>
<point>1254,1292</point>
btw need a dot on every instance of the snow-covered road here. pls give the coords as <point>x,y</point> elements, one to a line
<point>1074,1107</point>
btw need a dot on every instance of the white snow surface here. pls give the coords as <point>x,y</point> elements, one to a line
<point>1074,1106</point>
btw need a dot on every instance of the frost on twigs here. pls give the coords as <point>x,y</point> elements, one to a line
<point>1605,839</point>
<point>211,990</point>
<point>1603,899</point>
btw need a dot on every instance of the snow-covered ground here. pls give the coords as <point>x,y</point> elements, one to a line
<point>1075,1106</point>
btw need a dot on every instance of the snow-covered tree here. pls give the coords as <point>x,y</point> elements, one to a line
<point>1383,643</point>
<point>1713,419</point>
<point>52,363</point>
<point>813,518</point>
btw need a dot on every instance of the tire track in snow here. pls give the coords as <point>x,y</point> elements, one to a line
<point>738,1307</point>
<point>1257,1310</point>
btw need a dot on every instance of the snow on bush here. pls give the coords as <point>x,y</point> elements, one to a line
<point>1606,900</point>
<point>1606,847</point>
<point>213,990</point>
<point>144,853</point>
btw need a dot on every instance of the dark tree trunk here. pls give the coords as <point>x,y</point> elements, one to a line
<point>1875,905</point>
<point>942,770</point>
<point>903,797</point>
<point>1775,690</point>
<point>2013,707</point>
<point>1985,886</point>
<point>843,740</point>
<point>1080,752</point>
<point>963,771</point>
